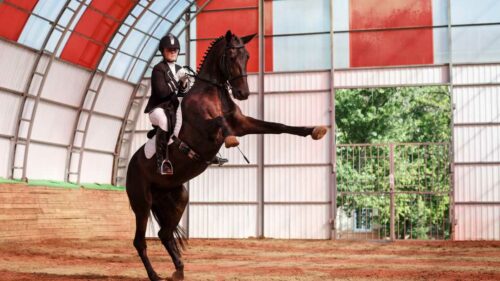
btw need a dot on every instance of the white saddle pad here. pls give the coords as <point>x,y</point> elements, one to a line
<point>150,147</point>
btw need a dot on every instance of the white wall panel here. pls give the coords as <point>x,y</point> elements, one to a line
<point>248,145</point>
<point>103,133</point>
<point>307,109</point>
<point>143,122</point>
<point>96,168</point>
<point>296,221</point>
<point>476,222</point>
<point>53,123</point>
<point>477,104</point>
<point>114,97</point>
<point>477,183</point>
<point>65,83</point>
<point>475,74</point>
<point>249,107</point>
<point>284,82</point>
<point>252,80</point>
<point>5,147</point>
<point>367,77</point>
<point>137,141</point>
<point>286,149</point>
<point>46,162</point>
<point>297,184</point>
<point>9,106</point>
<point>16,65</point>
<point>222,221</point>
<point>224,185</point>
<point>477,144</point>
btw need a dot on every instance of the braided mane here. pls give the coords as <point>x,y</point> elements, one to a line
<point>207,52</point>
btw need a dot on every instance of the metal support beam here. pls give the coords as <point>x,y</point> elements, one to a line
<point>332,146</point>
<point>188,62</point>
<point>392,193</point>
<point>452,126</point>
<point>260,115</point>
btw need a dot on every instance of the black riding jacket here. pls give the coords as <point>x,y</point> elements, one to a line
<point>164,88</point>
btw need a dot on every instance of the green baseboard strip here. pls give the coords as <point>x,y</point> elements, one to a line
<point>63,184</point>
<point>52,183</point>
<point>3,180</point>
<point>102,186</point>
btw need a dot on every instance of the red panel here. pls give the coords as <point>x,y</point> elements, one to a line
<point>395,47</point>
<point>98,27</point>
<point>240,22</point>
<point>82,51</point>
<point>12,19</point>
<point>118,9</point>
<point>228,4</point>
<point>24,4</point>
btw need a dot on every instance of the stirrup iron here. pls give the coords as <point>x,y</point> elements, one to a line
<point>166,168</point>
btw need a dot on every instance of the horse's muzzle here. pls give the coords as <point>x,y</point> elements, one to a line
<point>240,95</point>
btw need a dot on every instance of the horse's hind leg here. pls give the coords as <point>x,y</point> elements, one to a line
<point>140,201</point>
<point>168,207</point>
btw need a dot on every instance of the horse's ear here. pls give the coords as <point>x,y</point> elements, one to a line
<point>229,36</point>
<point>247,38</point>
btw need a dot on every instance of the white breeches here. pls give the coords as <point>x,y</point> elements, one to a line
<point>158,118</point>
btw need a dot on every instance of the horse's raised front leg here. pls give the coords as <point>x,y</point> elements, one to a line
<point>245,125</point>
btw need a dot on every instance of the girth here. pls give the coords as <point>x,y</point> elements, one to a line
<point>188,151</point>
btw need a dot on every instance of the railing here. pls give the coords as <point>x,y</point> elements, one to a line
<point>393,191</point>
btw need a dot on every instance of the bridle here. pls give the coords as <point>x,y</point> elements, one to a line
<point>225,68</point>
<point>225,71</point>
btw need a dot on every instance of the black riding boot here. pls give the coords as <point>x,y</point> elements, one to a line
<point>218,161</point>
<point>164,166</point>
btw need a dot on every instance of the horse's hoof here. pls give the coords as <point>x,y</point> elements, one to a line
<point>231,141</point>
<point>155,277</point>
<point>178,275</point>
<point>318,132</point>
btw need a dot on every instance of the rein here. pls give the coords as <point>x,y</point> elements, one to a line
<point>223,64</point>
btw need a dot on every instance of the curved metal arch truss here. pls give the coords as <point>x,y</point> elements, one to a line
<point>27,110</point>
<point>94,86</point>
<point>32,93</point>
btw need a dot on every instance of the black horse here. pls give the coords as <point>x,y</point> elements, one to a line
<point>210,116</point>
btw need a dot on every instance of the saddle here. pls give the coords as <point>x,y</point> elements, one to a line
<point>170,112</point>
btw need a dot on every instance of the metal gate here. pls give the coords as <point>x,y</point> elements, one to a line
<point>393,191</point>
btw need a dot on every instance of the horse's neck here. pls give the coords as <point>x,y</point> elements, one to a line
<point>194,130</point>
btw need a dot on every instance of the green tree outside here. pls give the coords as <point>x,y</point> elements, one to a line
<point>395,115</point>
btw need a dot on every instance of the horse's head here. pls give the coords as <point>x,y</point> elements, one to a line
<point>233,64</point>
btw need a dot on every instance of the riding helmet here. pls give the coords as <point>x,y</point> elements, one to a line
<point>169,41</point>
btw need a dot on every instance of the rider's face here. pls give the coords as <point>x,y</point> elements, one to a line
<point>170,54</point>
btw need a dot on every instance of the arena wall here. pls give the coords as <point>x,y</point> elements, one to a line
<point>36,212</point>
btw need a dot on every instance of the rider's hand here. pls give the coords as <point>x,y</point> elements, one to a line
<point>182,75</point>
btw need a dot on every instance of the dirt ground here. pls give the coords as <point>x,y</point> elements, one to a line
<point>268,259</point>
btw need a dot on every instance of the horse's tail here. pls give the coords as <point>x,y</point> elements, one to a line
<point>179,234</point>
